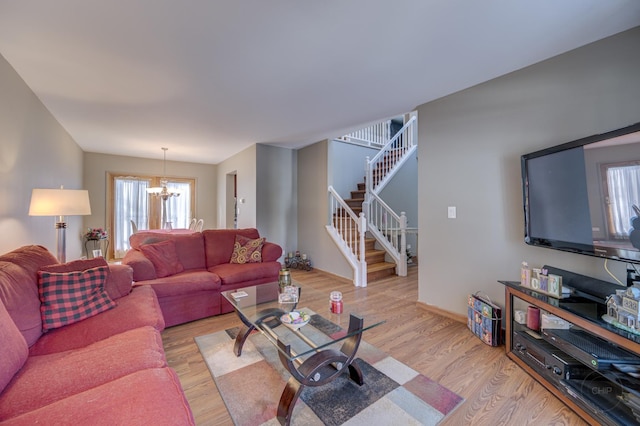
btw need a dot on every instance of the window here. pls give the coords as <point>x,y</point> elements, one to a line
<point>623,192</point>
<point>178,208</point>
<point>130,205</point>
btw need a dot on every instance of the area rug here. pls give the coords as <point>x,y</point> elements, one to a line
<point>251,385</point>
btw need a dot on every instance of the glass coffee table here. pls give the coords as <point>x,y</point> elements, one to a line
<point>313,349</point>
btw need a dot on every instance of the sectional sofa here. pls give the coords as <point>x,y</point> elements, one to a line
<point>80,346</point>
<point>189,271</point>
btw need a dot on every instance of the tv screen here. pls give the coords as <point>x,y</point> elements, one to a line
<point>584,196</point>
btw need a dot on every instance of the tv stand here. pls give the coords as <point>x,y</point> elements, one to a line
<point>580,357</point>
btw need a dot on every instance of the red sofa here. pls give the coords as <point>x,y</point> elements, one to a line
<point>189,286</point>
<point>107,369</point>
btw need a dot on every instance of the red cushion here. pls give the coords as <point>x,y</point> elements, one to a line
<point>190,247</point>
<point>31,258</point>
<point>71,372</point>
<point>164,257</point>
<point>187,282</point>
<point>119,279</point>
<point>231,273</point>
<point>19,294</point>
<point>75,265</point>
<point>137,309</point>
<point>13,351</point>
<point>271,252</point>
<point>247,250</point>
<point>142,267</point>
<point>219,243</point>
<point>72,296</point>
<point>152,396</point>
<point>19,288</point>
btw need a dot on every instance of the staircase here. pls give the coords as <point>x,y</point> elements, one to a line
<point>363,222</point>
<point>377,266</point>
<point>357,198</point>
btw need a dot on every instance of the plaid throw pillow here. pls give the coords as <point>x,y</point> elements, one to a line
<point>72,296</point>
<point>246,250</point>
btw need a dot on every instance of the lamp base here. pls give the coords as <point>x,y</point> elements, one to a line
<point>61,227</point>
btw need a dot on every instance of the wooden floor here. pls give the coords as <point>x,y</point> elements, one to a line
<point>496,390</point>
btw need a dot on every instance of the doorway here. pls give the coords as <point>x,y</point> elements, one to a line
<point>231,201</point>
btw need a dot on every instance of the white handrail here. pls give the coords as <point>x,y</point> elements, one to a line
<point>375,135</point>
<point>380,169</point>
<point>348,232</point>
<point>389,229</point>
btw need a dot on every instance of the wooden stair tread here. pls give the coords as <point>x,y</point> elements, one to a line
<point>381,270</point>
<point>375,251</point>
<point>380,266</point>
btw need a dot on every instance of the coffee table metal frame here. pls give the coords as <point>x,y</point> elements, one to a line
<point>318,365</point>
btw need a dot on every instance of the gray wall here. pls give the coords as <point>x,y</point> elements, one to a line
<point>470,145</point>
<point>276,193</point>
<point>35,152</point>
<point>243,164</point>
<point>313,238</point>
<point>346,166</point>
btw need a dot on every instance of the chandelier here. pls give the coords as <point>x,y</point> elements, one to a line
<point>162,191</point>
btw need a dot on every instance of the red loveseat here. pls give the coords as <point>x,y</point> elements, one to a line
<point>106,369</point>
<point>189,271</point>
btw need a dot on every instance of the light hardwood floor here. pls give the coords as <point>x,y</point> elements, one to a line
<point>496,390</point>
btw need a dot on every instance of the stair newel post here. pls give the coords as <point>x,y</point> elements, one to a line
<point>331,211</point>
<point>402,265</point>
<point>368,180</point>
<point>362,227</point>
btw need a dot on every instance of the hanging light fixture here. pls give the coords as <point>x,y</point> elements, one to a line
<point>163,193</point>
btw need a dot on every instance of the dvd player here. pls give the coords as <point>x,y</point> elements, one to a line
<point>546,359</point>
<point>591,350</point>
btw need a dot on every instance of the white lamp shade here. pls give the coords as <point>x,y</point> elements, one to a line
<point>59,202</point>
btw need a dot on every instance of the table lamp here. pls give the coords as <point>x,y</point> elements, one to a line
<point>60,203</point>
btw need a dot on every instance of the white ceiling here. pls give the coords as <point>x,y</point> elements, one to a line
<point>208,78</point>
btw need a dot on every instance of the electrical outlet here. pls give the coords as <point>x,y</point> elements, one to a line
<point>451,212</point>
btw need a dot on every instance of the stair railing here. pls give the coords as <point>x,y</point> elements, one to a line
<point>389,230</point>
<point>381,168</point>
<point>348,232</point>
<point>376,135</point>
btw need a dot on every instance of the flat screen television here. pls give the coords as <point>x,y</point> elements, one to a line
<point>584,196</point>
